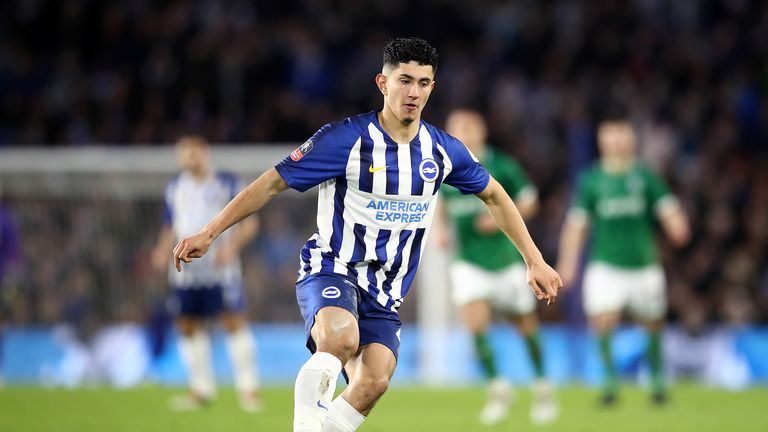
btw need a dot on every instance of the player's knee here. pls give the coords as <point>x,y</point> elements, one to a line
<point>341,344</point>
<point>375,386</point>
<point>337,334</point>
<point>233,322</point>
<point>187,327</point>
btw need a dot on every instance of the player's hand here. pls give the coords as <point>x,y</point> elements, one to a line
<point>544,281</point>
<point>191,247</point>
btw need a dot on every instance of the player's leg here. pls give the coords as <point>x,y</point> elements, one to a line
<point>242,353</point>
<point>655,362</point>
<point>604,325</point>
<point>472,289</point>
<point>369,374</point>
<point>648,303</point>
<point>476,316</point>
<point>604,298</point>
<point>519,303</point>
<point>328,304</point>
<point>195,349</point>
<point>241,346</point>
<point>370,370</point>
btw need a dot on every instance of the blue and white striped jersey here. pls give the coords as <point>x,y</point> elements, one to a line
<point>189,204</point>
<point>376,199</point>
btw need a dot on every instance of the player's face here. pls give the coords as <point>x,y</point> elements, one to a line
<point>192,155</point>
<point>406,89</point>
<point>617,140</point>
<point>469,128</point>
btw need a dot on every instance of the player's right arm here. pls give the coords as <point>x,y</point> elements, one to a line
<point>572,240</point>
<point>250,200</point>
<point>574,233</point>
<point>164,244</point>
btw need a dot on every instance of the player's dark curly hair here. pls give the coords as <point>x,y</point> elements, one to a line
<point>407,49</point>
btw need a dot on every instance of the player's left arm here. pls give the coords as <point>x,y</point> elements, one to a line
<point>542,278</point>
<point>668,210</point>
<point>674,221</point>
<point>243,233</point>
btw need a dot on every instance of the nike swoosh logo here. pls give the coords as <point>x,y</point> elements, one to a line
<point>371,169</point>
<point>321,406</point>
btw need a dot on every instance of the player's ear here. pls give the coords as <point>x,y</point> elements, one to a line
<point>381,83</point>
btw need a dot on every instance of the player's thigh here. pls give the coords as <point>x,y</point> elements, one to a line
<point>233,312</point>
<point>329,306</point>
<point>378,324</point>
<point>469,283</point>
<point>648,297</point>
<point>512,295</point>
<point>605,289</point>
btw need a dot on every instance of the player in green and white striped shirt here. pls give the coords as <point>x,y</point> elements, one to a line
<point>620,199</point>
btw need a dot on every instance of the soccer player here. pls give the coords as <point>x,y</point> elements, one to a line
<point>620,198</point>
<point>489,273</point>
<point>379,174</point>
<point>211,287</point>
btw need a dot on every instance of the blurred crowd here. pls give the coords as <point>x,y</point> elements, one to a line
<point>693,77</point>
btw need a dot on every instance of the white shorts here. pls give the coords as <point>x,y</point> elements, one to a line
<point>507,289</point>
<point>612,289</point>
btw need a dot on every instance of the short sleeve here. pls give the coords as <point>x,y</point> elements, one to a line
<point>467,173</point>
<point>514,180</point>
<point>319,159</point>
<point>659,195</point>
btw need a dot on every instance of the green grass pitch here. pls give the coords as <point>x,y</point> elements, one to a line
<point>692,408</point>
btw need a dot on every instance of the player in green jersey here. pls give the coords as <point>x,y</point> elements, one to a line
<point>489,272</point>
<point>621,199</point>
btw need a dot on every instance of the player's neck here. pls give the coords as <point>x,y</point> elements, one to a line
<point>397,130</point>
<point>616,165</point>
<point>200,174</point>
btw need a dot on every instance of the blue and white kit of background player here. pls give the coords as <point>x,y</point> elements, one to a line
<point>204,289</point>
<point>375,207</point>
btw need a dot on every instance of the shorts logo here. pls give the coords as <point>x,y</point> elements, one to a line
<point>331,292</point>
<point>428,170</point>
<point>301,151</point>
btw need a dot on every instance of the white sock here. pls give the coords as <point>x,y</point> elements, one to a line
<point>242,353</point>
<point>342,417</point>
<point>315,384</point>
<point>196,353</point>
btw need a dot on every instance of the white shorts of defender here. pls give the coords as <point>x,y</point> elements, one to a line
<point>612,289</point>
<point>506,290</point>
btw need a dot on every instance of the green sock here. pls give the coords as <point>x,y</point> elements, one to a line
<point>534,349</point>
<point>604,340</point>
<point>485,355</point>
<point>654,360</point>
